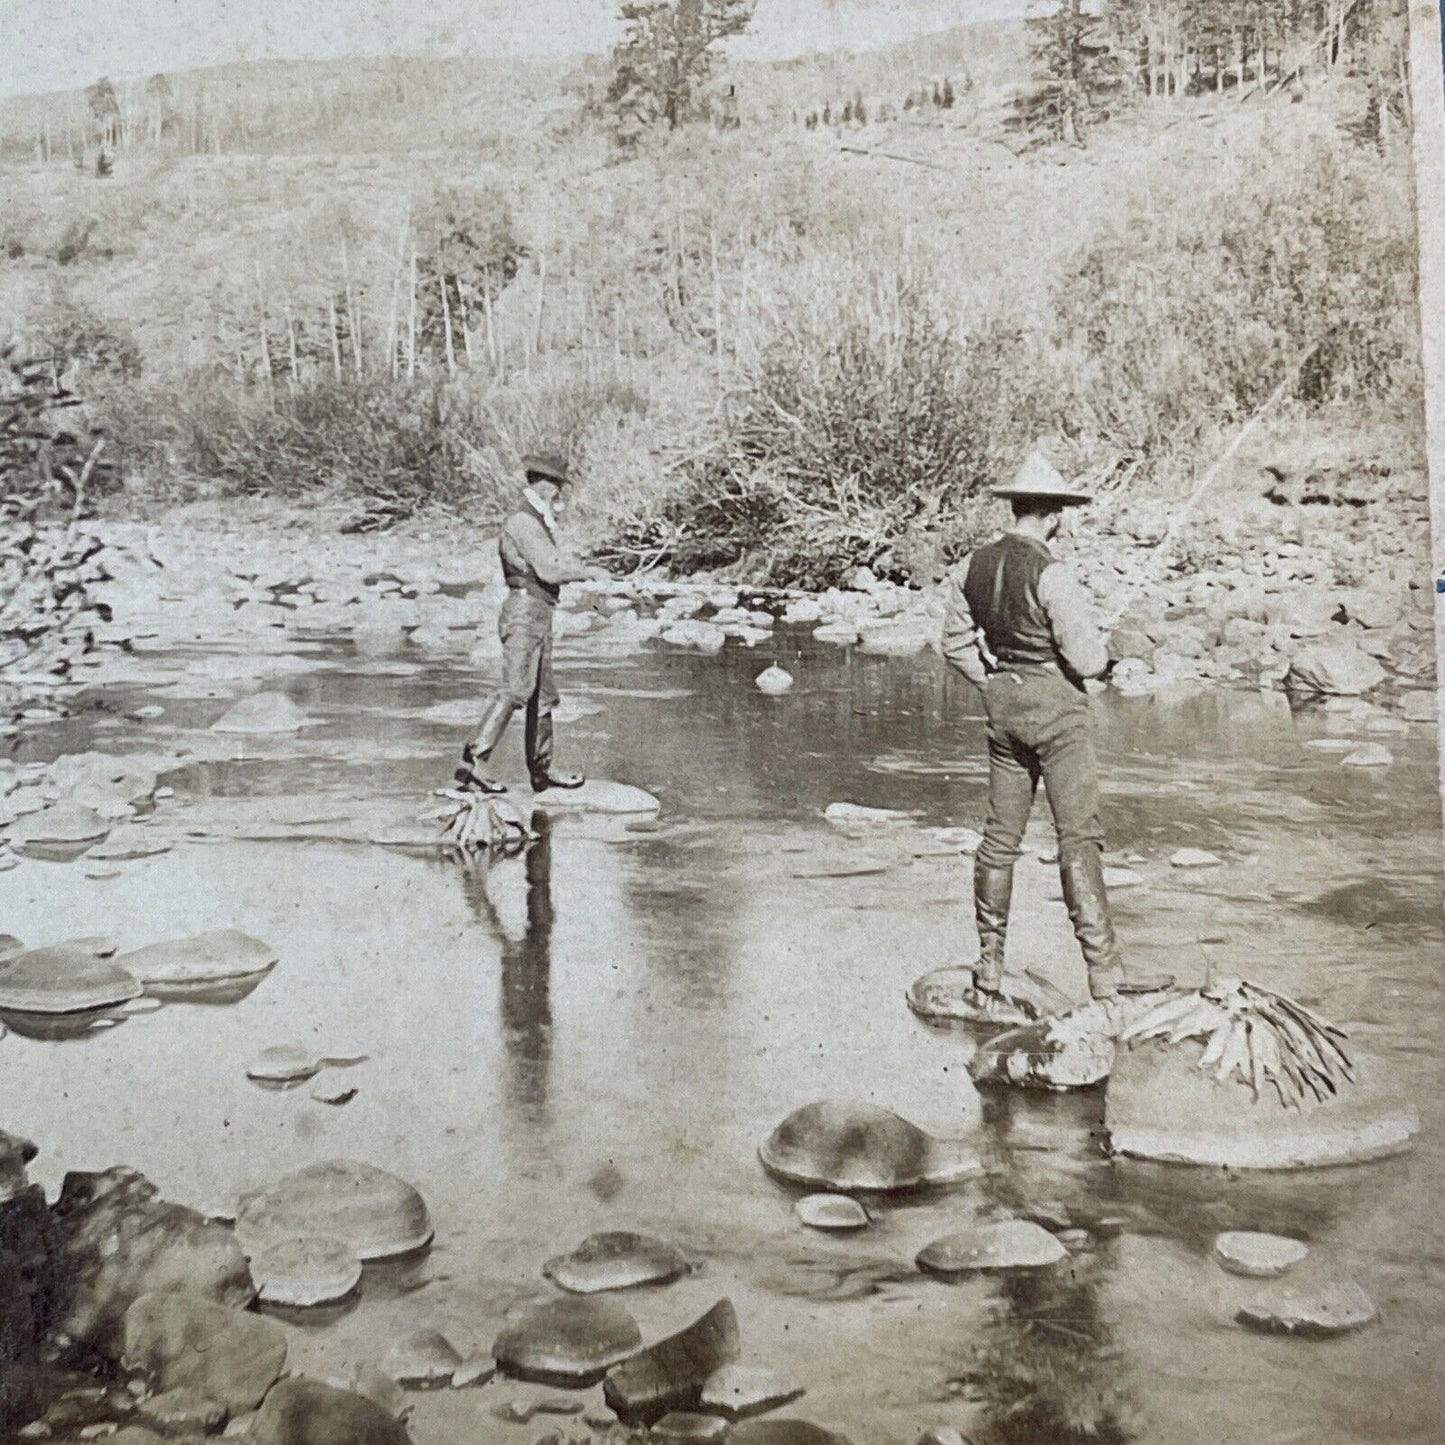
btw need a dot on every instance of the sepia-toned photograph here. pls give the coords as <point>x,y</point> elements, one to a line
<point>719,722</point>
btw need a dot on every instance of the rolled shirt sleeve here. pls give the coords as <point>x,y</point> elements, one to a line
<point>960,631</point>
<point>1077,634</point>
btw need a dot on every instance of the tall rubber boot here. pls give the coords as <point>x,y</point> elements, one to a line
<point>489,734</point>
<point>1082,876</point>
<point>539,756</point>
<point>992,893</point>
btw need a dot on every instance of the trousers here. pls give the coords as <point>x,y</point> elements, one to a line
<point>1038,731</point>
<point>525,626</point>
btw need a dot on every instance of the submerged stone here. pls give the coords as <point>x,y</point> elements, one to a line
<point>616,1260</point>
<point>683,1427</point>
<point>597,795</point>
<point>63,979</point>
<point>230,1356</point>
<point>262,713</point>
<point>739,1391</point>
<point>304,1272</point>
<point>835,1212</point>
<point>306,1412</point>
<point>782,1432</point>
<point>422,1359</point>
<point>571,1341</point>
<point>206,958</point>
<point>844,1147</point>
<point>670,1375</point>
<point>1194,858</point>
<point>1334,1309</point>
<point>375,1213</point>
<point>1011,1244</point>
<point>1258,1256</point>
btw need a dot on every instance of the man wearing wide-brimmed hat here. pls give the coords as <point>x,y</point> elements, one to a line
<point>534,566</point>
<point>1020,628</point>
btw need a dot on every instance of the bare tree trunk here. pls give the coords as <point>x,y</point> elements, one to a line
<point>447,329</point>
<point>291,346</point>
<point>335,339</point>
<point>411,323</point>
<point>541,300</point>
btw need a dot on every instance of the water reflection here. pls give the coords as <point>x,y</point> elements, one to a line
<point>526,968</point>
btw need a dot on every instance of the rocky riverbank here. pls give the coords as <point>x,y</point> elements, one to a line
<point>1323,584</point>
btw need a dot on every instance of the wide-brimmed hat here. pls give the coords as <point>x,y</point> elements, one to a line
<point>548,466</point>
<point>1038,481</point>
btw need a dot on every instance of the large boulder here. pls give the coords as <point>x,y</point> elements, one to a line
<point>846,1147</point>
<point>217,957</point>
<point>27,1243</point>
<point>118,1241</point>
<point>178,1342</point>
<point>1160,1104</point>
<point>567,1341</point>
<point>306,1412</point>
<point>1338,669</point>
<point>672,1374</point>
<point>375,1213</point>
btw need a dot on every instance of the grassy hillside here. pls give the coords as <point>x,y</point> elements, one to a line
<point>779,348</point>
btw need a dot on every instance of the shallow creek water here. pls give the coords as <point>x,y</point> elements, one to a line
<point>600,1034</point>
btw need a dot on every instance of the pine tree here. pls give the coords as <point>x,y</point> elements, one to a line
<point>664,57</point>
<point>1077,74</point>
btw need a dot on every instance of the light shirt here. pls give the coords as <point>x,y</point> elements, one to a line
<point>1067,608</point>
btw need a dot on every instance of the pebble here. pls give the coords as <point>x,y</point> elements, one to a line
<point>283,1064</point>
<point>327,1092</point>
<point>616,1260</point>
<point>1258,1256</point>
<point>837,1212</point>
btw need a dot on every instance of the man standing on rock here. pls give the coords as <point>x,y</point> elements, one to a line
<point>535,567</point>
<point>1020,628</point>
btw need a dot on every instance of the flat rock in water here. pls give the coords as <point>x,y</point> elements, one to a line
<point>841,634</point>
<point>616,1260</point>
<point>283,1064</point>
<point>331,1091</point>
<point>1420,706</point>
<point>774,681</point>
<point>474,1370</point>
<point>856,815</point>
<point>1012,1244</point>
<point>1071,1051</point>
<point>207,958</point>
<point>375,1213</point>
<point>1161,1105</point>
<point>177,1342</point>
<point>698,636</point>
<point>302,1273</point>
<point>90,776</point>
<point>1194,858</point>
<point>739,1391</point>
<point>782,1432</point>
<point>834,1212</point>
<point>1333,1310</point>
<point>846,1146</point>
<point>264,712</point>
<point>572,1341</point>
<point>597,795</point>
<point>131,843</point>
<point>683,1427</point>
<point>900,640</point>
<point>422,1359</point>
<point>1258,1256</point>
<point>59,833</point>
<point>1368,755</point>
<point>306,1412</point>
<point>62,980</point>
<point>670,1375</point>
<point>949,994</point>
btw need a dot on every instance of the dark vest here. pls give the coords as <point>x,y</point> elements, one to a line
<point>1002,592</point>
<point>517,572</point>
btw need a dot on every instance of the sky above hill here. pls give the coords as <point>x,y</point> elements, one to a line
<point>49,46</point>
